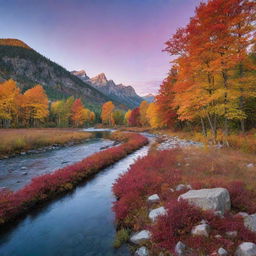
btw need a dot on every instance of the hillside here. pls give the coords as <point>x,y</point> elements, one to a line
<point>118,92</point>
<point>26,66</point>
<point>149,97</point>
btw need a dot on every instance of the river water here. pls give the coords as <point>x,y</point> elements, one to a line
<point>18,171</point>
<point>80,223</point>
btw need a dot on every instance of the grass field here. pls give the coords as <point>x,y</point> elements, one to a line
<point>18,140</point>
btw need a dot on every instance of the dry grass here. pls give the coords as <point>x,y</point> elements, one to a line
<point>136,129</point>
<point>209,165</point>
<point>18,140</point>
<point>243,142</point>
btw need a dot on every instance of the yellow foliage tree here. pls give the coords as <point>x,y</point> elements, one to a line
<point>107,113</point>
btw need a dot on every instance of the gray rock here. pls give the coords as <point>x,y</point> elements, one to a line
<point>246,249</point>
<point>23,168</point>
<point>153,198</point>
<point>232,234</point>
<point>142,251</point>
<point>23,153</point>
<point>219,214</point>
<point>181,187</point>
<point>153,214</point>
<point>222,252</point>
<point>201,230</point>
<point>250,222</point>
<point>250,165</point>
<point>24,173</point>
<point>180,248</point>
<point>140,237</point>
<point>243,214</point>
<point>216,199</point>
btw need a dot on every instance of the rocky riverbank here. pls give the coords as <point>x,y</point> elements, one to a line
<point>183,199</point>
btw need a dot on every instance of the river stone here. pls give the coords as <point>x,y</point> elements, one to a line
<point>250,222</point>
<point>246,249</point>
<point>231,234</point>
<point>153,198</point>
<point>222,252</point>
<point>23,168</point>
<point>201,230</point>
<point>216,199</point>
<point>142,251</point>
<point>153,214</point>
<point>140,237</point>
<point>181,187</point>
<point>250,165</point>
<point>180,248</point>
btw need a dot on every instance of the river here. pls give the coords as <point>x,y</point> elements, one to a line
<point>17,171</point>
<point>80,223</point>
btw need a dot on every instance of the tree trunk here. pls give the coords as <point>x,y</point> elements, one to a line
<point>203,127</point>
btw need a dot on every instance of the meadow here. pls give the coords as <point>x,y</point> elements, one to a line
<point>14,141</point>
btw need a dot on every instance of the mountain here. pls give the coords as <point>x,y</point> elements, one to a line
<point>119,92</point>
<point>27,67</point>
<point>149,97</point>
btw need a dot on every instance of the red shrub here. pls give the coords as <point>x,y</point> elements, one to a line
<point>176,225</point>
<point>47,186</point>
<point>157,173</point>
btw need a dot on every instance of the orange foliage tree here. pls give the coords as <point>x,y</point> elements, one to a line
<point>107,113</point>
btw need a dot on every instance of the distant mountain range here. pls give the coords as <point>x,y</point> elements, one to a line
<point>149,97</point>
<point>119,92</point>
<point>27,67</point>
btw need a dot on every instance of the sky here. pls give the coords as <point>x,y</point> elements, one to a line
<point>122,38</point>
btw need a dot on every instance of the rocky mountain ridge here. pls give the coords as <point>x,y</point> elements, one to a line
<point>119,92</point>
<point>27,67</point>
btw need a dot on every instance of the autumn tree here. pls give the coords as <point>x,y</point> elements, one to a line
<point>8,102</point>
<point>143,113</point>
<point>211,50</point>
<point>35,105</point>
<point>107,113</point>
<point>134,119</point>
<point>118,116</point>
<point>127,117</point>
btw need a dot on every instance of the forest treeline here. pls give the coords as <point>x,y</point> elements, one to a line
<point>33,109</point>
<point>212,81</point>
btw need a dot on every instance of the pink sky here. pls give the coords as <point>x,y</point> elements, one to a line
<point>124,39</point>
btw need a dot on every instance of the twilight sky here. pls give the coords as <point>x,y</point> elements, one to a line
<point>122,38</point>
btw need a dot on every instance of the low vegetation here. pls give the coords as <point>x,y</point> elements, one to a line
<point>18,140</point>
<point>45,187</point>
<point>159,172</point>
<point>245,142</point>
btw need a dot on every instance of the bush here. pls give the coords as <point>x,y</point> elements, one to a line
<point>49,185</point>
<point>162,170</point>
<point>122,236</point>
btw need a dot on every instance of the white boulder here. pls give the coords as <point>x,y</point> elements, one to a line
<point>222,252</point>
<point>250,222</point>
<point>246,249</point>
<point>153,214</point>
<point>216,199</point>
<point>181,187</point>
<point>140,237</point>
<point>142,251</point>
<point>180,248</point>
<point>201,230</point>
<point>153,198</point>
